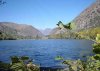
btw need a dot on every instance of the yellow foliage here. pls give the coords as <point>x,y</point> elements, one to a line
<point>90,33</point>
<point>98,38</point>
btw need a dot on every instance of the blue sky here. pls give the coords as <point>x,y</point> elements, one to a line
<point>42,13</point>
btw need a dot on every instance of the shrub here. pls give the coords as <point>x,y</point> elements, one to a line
<point>91,64</point>
<point>18,64</point>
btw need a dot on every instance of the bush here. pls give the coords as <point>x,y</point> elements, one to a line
<point>91,64</point>
<point>18,64</point>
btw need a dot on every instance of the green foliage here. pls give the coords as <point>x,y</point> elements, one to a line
<point>18,64</point>
<point>98,38</point>
<point>68,26</point>
<point>4,66</point>
<point>74,65</point>
<point>66,35</point>
<point>18,67</point>
<point>89,33</point>
<point>58,36</point>
<point>24,58</point>
<point>91,64</point>
<point>97,56</point>
<point>59,23</point>
<point>12,36</point>
<point>96,48</point>
<point>59,58</point>
<point>15,59</point>
<point>73,26</point>
<point>5,36</point>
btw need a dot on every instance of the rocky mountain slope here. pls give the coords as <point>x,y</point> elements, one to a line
<point>86,21</point>
<point>46,31</point>
<point>22,30</point>
<point>89,18</point>
<point>59,33</point>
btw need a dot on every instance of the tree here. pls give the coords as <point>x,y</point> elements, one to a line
<point>59,23</point>
<point>68,26</point>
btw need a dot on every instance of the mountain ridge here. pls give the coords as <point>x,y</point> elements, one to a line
<point>23,30</point>
<point>86,21</point>
<point>89,17</point>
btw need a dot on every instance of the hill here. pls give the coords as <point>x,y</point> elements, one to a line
<point>18,31</point>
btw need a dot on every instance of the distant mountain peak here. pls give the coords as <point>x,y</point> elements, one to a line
<point>46,31</point>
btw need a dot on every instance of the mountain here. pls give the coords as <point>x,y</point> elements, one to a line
<point>58,30</point>
<point>19,30</point>
<point>89,18</point>
<point>46,31</point>
<point>85,25</point>
<point>54,31</point>
<point>59,33</point>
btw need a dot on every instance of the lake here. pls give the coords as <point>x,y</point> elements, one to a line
<point>43,52</point>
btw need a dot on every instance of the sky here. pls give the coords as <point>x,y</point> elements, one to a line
<point>42,13</point>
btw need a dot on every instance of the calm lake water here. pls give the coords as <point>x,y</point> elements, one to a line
<point>43,52</point>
